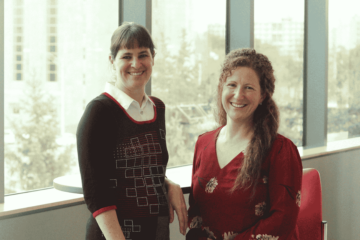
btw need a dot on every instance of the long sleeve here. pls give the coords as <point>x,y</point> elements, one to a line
<point>95,143</point>
<point>193,211</point>
<point>284,181</point>
<point>195,223</point>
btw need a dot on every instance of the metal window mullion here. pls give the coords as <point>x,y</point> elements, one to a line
<point>315,73</point>
<point>139,12</point>
<point>239,24</point>
<point>2,160</point>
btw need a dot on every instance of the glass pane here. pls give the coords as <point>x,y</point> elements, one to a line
<point>343,70</point>
<point>279,34</point>
<point>190,45</point>
<point>64,65</point>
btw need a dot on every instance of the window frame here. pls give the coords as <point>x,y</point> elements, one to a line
<point>2,116</point>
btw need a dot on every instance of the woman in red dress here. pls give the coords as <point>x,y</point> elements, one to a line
<point>246,178</point>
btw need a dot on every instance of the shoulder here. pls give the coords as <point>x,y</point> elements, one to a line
<point>99,107</point>
<point>282,143</point>
<point>158,103</point>
<point>206,137</point>
<point>284,152</point>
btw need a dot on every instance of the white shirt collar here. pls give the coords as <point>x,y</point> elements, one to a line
<point>124,99</point>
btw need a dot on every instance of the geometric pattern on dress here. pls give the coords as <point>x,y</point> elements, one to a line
<point>140,154</point>
<point>113,183</point>
<point>140,162</point>
<point>129,227</point>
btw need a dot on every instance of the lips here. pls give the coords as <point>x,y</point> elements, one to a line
<point>136,73</point>
<point>237,105</point>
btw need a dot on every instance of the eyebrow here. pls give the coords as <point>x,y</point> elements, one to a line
<point>142,52</point>
<point>128,53</point>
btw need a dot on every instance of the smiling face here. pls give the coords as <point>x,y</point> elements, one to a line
<point>241,95</point>
<point>133,68</point>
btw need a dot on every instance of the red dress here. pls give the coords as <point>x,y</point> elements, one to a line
<point>270,215</point>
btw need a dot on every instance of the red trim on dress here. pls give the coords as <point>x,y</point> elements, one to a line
<point>104,209</point>
<point>137,122</point>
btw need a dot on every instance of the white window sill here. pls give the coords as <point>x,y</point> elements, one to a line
<point>37,201</point>
<point>331,148</point>
<point>49,199</point>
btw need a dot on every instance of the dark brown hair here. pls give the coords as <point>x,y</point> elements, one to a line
<point>266,116</point>
<point>126,35</point>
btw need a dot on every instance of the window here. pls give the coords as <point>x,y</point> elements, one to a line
<point>18,76</point>
<point>52,67</point>
<point>279,34</point>
<point>343,70</point>
<point>52,20</point>
<point>52,29</point>
<point>190,48</point>
<point>53,11</point>
<point>36,67</point>
<point>52,48</point>
<point>52,77</point>
<point>18,20</point>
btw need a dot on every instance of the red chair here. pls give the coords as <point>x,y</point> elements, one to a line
<point>310,223</point>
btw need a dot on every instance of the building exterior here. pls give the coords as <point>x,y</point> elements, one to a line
<point>63,46</point>
<point>287,35</point>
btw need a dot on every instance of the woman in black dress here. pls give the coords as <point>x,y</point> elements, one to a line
<point>121,140</point>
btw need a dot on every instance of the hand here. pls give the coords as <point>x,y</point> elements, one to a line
<point>177,203</point>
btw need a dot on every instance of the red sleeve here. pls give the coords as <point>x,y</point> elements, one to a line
<point>193,211</point>
<point>194,218</point>
<point>284,181</point>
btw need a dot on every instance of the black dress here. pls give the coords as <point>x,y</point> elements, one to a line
<point>122,164</point>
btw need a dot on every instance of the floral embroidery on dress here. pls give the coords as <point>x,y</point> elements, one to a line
<point>265,179</point>
<point>260,208</point>
<point>229,235</point>
<point>196,222</point>
<point>264,237</point>
<point>210,234</point>
<point>211,185</point>
<point>298,198</point>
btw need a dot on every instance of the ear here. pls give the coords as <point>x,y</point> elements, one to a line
<point>111,61</point>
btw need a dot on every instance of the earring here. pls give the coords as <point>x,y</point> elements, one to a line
<point>260,103</point>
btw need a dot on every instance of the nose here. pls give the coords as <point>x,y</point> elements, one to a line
<point>239,93</point>
<point>135,62</point>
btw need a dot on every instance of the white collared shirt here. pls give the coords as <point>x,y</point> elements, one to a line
<point>131,106</point>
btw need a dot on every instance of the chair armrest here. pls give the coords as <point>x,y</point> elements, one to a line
<point>324,230</point>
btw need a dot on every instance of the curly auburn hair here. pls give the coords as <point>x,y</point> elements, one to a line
<point>266,116</point>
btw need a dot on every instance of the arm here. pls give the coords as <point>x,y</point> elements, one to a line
<point>94,143</point>
<point>109,225</point>
<point>194,217</point>
<point>177,203</point>
<point>284,181</point>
